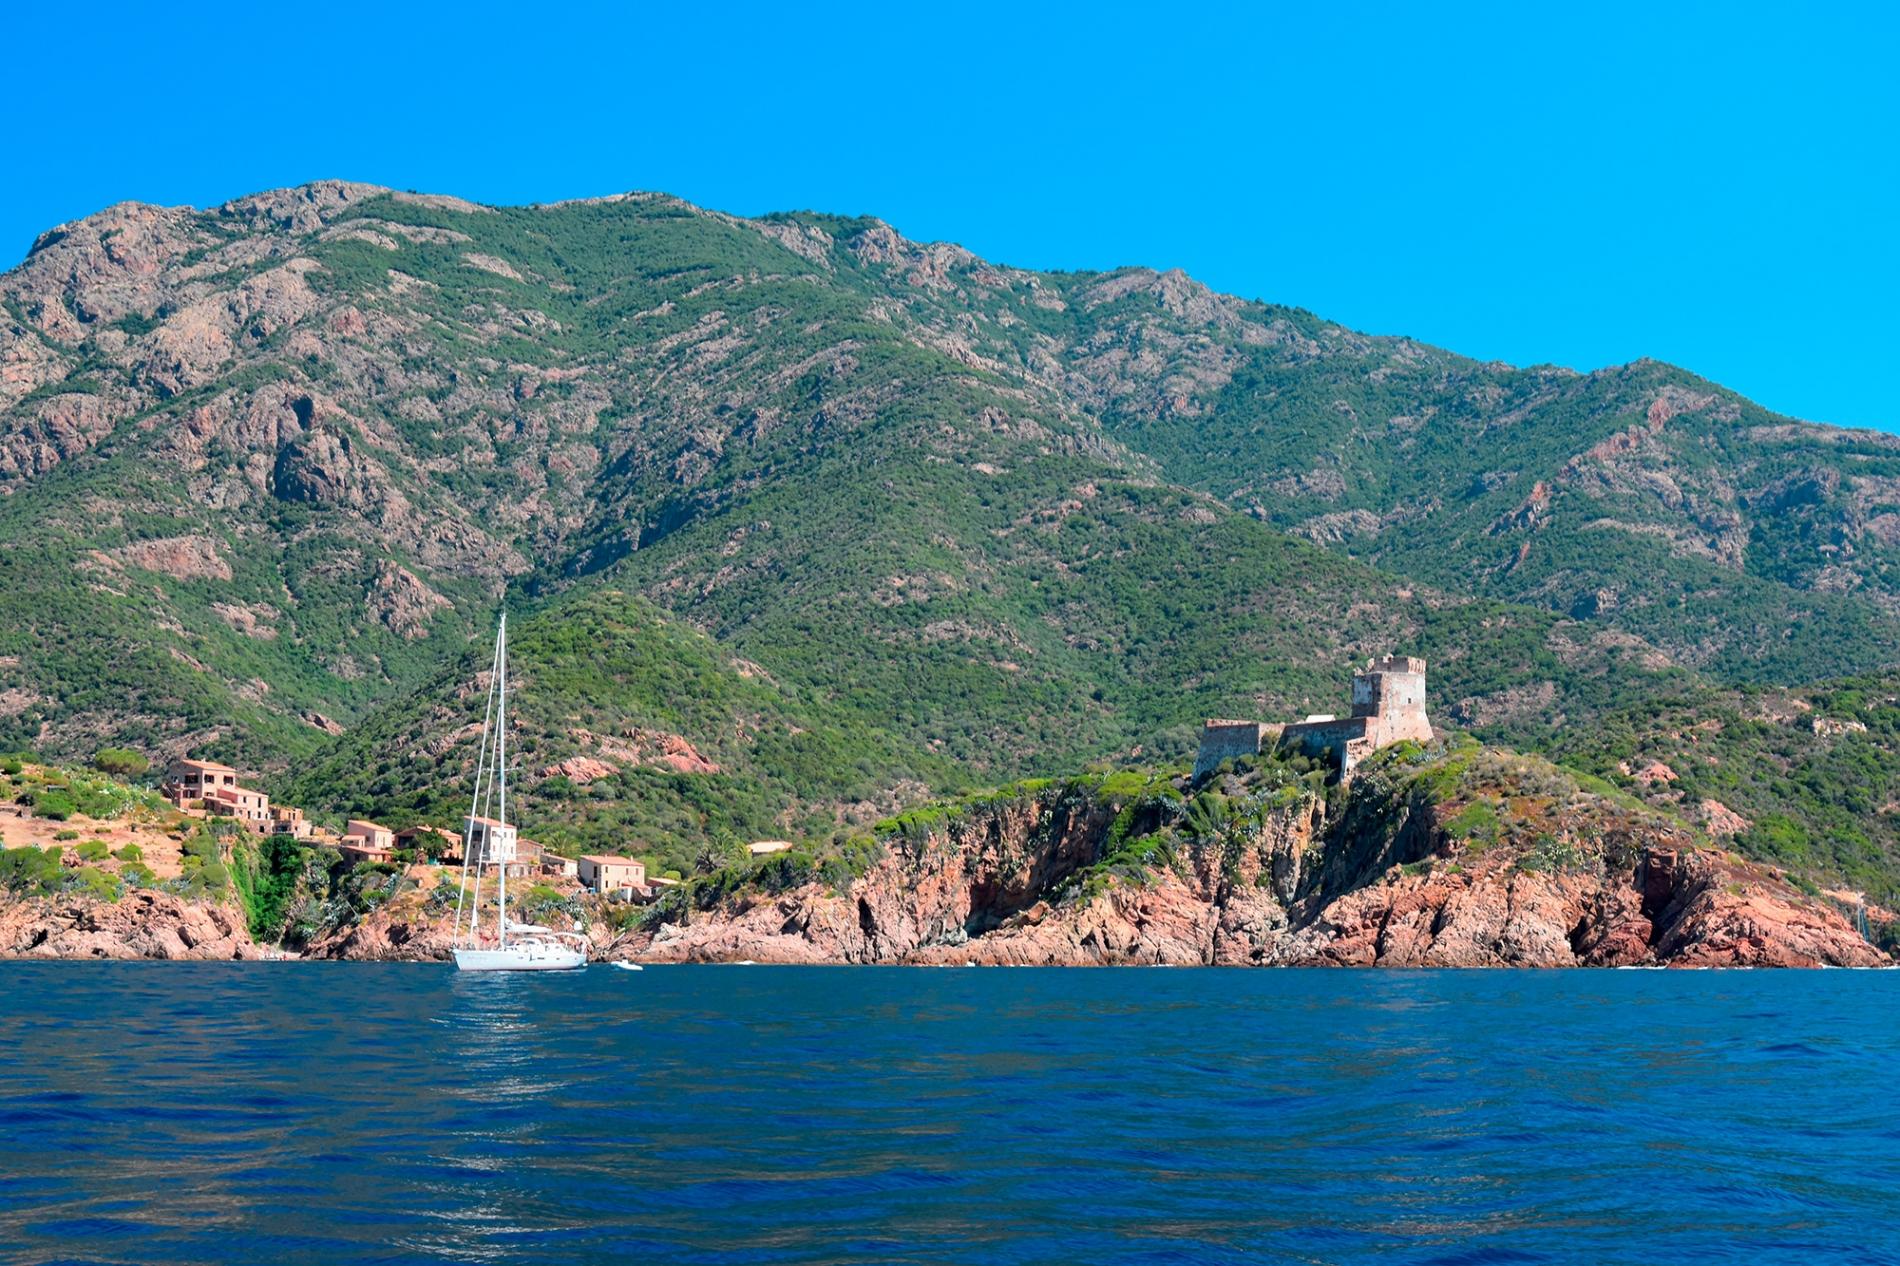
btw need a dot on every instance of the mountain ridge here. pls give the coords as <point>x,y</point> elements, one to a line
<point>269,467</point>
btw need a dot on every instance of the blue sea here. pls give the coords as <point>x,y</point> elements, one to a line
<point>343,1113</point>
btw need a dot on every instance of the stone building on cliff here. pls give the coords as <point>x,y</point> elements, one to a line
<point>1388,705</point>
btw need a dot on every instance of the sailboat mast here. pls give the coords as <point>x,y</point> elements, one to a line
<point>475,807</point>
<point>501,769</point>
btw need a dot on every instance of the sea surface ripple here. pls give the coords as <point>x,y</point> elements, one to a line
<point>342,1113</point>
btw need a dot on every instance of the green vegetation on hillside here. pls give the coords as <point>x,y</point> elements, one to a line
<point>608,677</point>
<point>858,519</point>
<point>1814,774</point>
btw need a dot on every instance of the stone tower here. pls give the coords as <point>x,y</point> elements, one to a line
<point>1390,693</point>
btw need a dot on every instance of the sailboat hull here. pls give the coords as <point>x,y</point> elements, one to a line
<point>525,958</point>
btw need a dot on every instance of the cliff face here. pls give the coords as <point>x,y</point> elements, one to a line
<point>1402,870</point>
<point>144,924</point>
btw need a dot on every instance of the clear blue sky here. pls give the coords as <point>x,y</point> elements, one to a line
<point>1717,186</point>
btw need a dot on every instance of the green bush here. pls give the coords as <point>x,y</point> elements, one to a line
<point>120,762</point>
<point>55,806</point>
<point>542,900</point>
<point>199,848</point>
<point>138,875</point>
<point>29,870</point>
<point>65,835</point>
<point>93,851</point>
<point>96,883</point>
<point>131,853</point>
<point>11,767</point>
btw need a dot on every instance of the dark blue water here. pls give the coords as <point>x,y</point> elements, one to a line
<point>213,1113</point>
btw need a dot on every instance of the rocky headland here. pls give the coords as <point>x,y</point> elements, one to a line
<point>1468,857</point>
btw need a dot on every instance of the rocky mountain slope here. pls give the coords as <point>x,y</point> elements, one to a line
<point>1459,857</point>
<point>627,727</point>
<point>1807,778</point>
<point>269,468</point>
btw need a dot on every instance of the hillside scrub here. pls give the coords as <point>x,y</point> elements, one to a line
<point>859,520</point>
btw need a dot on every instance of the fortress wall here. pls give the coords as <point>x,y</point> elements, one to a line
<point>1227,740</point>
<point>1328,738</point>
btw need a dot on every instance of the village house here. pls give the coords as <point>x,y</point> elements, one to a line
<point>189,780</point>
<point>431,841</point>
<point>1388,706</point>
<point>251,808</point>
<point>285,820</point>
<point>492,842</point>
<point>624,875</point>
<point>553,864</point>
<point>366,841</point>
<point>214,788</point>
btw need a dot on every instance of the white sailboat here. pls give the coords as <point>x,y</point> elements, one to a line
<point>491,841</point>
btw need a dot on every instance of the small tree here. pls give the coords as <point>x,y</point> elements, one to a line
<point>120,762</point>
<point>28,869</point>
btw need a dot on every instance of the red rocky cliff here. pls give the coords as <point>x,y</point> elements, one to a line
<point>1469,858</point>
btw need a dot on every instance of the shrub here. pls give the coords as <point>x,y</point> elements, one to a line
<point>65,835</point>
<point>542,900</point>
<point>120,762</point>
<point>29,869</point>
<point>138,875</point>
<point>131,853</point>
<point>96,883</point>
<point>200,848</point>
<point>443,896</point>
<point>93,851</point>
<point>54,806</point>
<point>11,767</point>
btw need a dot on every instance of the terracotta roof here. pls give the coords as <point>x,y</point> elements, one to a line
<point>207,766</point>
<point>601,860</point>
<point>486,821</point>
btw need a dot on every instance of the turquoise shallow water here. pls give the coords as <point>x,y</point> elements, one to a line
<point>336,1113</point>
